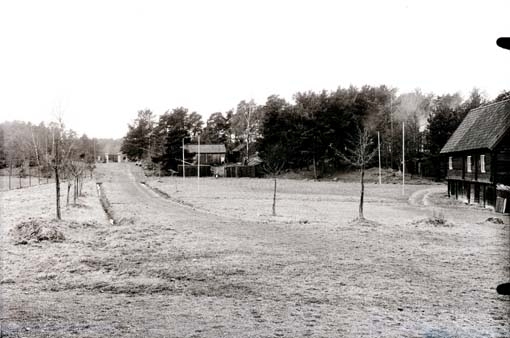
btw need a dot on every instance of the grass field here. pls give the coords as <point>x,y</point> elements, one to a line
<point>211,261</point>
<point>299,201</point>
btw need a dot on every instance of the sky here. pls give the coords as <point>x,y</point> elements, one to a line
<point>96,63</point>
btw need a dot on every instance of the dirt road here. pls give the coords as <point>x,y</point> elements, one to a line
<point>165,270</point>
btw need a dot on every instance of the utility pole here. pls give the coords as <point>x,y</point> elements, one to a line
<point>391,132</point>
<point>198,172</point>
<point>183,163</point>
<point>379,150</point>
<point>403,160</point>
<point>149,150</point>
<point>248,134</point>
<point>149,127</point>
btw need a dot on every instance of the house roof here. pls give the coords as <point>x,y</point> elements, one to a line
<point>206,148</point>
<point>482,128</point>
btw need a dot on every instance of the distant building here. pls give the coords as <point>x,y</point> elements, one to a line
<point>238,153</point>
<point>109,158</point>
<point>478,157</point>
<point>210,154</point>
<point>253,167</point>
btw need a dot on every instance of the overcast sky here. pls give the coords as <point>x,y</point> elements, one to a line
<point>99,62</point>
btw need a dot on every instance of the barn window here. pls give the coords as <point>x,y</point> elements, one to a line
<point>482,163</point>
<point>450,163</point>
<point>469,164</point>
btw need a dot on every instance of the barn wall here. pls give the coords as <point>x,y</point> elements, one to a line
<point>205,170</point>
<point>472,192</point>
<point>470,176</point>
<point>243,171</point>
<point>485,177</point>
<point>211,158</point>
<point>502,161</point>
<point>458,170</point>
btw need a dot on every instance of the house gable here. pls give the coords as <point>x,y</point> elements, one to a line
<point>482,128</point>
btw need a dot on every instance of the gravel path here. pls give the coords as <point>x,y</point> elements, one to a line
<point>421,197</point>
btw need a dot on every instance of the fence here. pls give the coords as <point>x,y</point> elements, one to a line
<point>205,170</point>
<point>244,171</point>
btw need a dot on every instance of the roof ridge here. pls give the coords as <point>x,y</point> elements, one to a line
<point>490,104</point>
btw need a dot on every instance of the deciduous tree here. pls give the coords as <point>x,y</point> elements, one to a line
<point>358,154</point>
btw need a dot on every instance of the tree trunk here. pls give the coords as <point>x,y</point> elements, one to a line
<point>314,167</point>
<point>57,187</point>
<point>75,192</point>
<point>36,155</point>
<point>29,176</point>
<point>10,175</point>
<point>57,178</point>
<point>19,174</point>
<point>68,190</point>
<point>274,198</point>
<point>362,194</point>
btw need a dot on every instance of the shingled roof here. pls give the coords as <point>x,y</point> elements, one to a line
<point>206,148</point>
<point>482,128</point>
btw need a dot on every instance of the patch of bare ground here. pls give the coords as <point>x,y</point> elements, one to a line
<point>174,272</point>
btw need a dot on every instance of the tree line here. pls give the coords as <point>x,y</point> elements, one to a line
<point>48,152</point>
<point>306,133</point>
<point>25,146</point>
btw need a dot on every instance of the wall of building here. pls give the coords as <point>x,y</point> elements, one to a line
<point>472,192</point>
<point>460,171</point>
<point>211,158</point>
<point>502,161</point>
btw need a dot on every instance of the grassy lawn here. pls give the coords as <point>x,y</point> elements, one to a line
<point>211,261</point>
<point>298,201</point>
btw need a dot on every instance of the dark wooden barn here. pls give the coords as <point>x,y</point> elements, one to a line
<point>478,157</point>
<point>211,154</point>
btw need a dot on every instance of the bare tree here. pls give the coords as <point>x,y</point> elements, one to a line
<point>358,154</point>
<point>37,154</point>
<point>57,162</point>
<point>76,170</point>
<point>62,147</point>
<point>17,148</point>
<point>273,165</point>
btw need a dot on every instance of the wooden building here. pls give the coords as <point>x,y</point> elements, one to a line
<point>478,157</point>
<point>253,168</point>
<point>211,154</point>
<point>109,158</point>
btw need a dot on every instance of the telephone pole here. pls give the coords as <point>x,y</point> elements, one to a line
<point>183,163</point>
<point>403,159</point>
<point>379,150</point>
<point>198,172</point>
